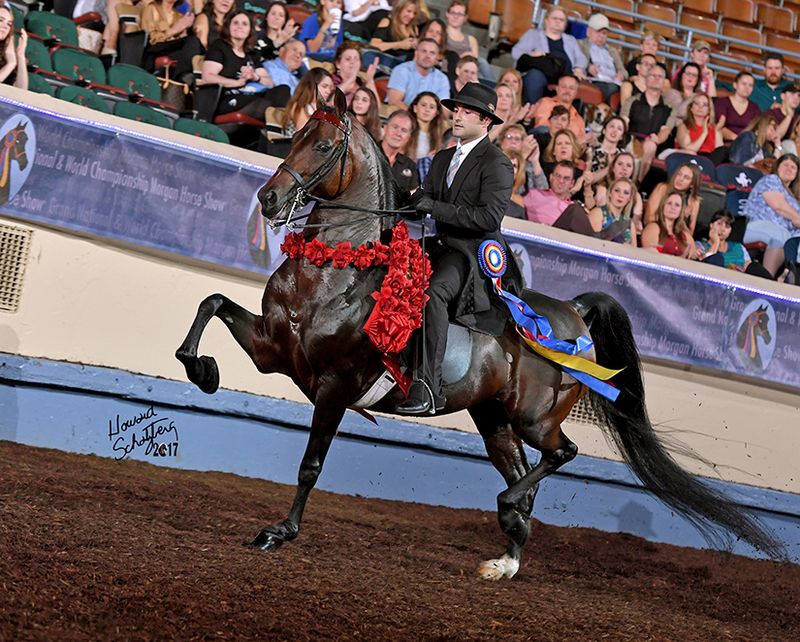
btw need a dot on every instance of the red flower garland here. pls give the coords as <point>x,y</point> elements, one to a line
<point>399,302</point>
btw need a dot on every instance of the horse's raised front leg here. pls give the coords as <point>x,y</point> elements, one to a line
<point>242,324</point>
<point>327,417</point>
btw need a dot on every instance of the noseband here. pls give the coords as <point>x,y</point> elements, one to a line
<point>304,186</point>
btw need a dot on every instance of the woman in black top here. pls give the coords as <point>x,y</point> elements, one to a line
<point>208,23</point>
<point>229,63</point>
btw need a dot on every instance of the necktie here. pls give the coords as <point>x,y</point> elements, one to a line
<point>451,171</point>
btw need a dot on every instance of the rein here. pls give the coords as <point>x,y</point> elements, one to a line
<point>305,186</point>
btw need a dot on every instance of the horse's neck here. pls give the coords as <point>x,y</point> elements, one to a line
<point>5,167</point>
<point>371,188</point>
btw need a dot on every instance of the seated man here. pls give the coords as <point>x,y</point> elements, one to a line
<point>415,76</point>
<point>287,68</point>
<point>546,205</point>
<point>396,134</point>
<point>566,92</point>
<point>605,70</point>
<point>650,120</point>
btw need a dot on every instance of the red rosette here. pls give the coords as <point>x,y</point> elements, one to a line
<point>363,257</point>
<point>342,255</point>
<point>293,245</point>
<point>316,252</point>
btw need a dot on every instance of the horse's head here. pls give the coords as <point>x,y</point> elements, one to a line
<point>762,323</point>
<point>315,167</point>
<point>15,141</point>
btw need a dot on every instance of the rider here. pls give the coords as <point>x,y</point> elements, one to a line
<point>466,192</point>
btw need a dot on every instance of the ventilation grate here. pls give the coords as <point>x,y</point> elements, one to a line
<point>15,245</point>
<point>582,413</point>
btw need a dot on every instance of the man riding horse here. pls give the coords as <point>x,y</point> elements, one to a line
<point>466,192</point>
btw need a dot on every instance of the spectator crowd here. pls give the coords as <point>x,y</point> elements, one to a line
<point>631,165</point>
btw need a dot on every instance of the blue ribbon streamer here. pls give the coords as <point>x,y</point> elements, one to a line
<point>539,326</point>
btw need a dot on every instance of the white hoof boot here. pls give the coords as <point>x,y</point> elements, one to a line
<point>498,569</point>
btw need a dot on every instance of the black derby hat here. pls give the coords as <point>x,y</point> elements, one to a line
<point>476,96</point>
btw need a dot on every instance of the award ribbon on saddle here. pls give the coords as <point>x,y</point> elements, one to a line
<point>535,329</point>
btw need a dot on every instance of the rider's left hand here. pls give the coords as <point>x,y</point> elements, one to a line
<point>425,204</point>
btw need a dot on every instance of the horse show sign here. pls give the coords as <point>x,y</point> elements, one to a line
<point>110,182</point>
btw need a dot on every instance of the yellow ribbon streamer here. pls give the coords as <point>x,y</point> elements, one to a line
<point>571,361</point>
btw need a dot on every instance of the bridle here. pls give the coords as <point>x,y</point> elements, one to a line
<point>304,186</point>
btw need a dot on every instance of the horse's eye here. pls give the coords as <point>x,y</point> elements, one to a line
<point>323,146</point>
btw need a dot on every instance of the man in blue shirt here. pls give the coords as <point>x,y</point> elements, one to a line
<point>415,76</point>
<point>767,90</point>
<point>287,68</point>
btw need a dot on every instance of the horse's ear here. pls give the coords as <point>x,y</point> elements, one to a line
<point>339,103</point>
<point>763,308</point>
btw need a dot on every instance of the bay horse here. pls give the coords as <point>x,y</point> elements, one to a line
<point>310,328</point>
<point>755,326</point>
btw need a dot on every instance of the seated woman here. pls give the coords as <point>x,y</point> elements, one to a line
<point>718,250</point>
<point>668,233</point>
<point>613,220</point>
<point>462,44</point>
<point>684,181</point>
<point>13,64</point>
<point>759,141</point>
<point>516,207</point>
<point>564,146</point>
<point>613,139</point>
<point>773,211</point>
<point>686,85</point>
<point>699,133</point>
<point>316,83</point>
<point>361,17</point>
<point>637,83</point>
<point>623,166</point>
<point>322,31</point>
<point>230,62</point>
<point>513,79</point>
<point>396,36</point>
<point>277,30</point>
<point>737,109</point>
<point>431,123</point>
<point>208,23</point>
<point>466,72</point>
<point>542,52</point>
<point>508,109</point>
<point>364,106</point>
<point>791,144</point>
<point>348,63</point>
<point>170,35</point>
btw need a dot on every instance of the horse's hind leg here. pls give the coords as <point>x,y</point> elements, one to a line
<point>508,457</point>
<point>242,324</point>
<point>515,504</point>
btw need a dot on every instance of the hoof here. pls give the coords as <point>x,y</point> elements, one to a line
<point>498,569</point>
<point>208,381</point>
<point>202,371</point>
<point>267,541</point>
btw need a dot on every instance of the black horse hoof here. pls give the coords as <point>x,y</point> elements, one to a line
<point>208,379</point>
<point>267,541</point>
<point>202,371</point>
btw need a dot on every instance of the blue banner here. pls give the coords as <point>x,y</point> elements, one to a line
<point>110,182</point>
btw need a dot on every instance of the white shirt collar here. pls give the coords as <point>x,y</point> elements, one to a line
<point>466,149</point>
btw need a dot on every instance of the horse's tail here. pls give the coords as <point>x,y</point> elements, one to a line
<point>628,425</point>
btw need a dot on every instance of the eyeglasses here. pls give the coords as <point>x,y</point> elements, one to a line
<point>513,137</point>
<point>457,14</point>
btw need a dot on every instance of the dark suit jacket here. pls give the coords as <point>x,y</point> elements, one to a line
<point>468,213</point>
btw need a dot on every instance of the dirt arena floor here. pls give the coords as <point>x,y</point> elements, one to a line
<point>94,549</point>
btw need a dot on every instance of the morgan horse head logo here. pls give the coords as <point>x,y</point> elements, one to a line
<point>754,326</point>
<point>13,150</point>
